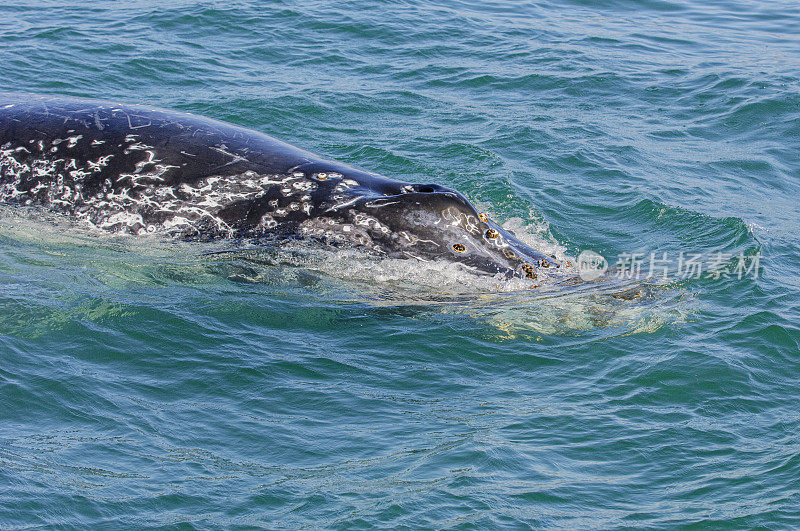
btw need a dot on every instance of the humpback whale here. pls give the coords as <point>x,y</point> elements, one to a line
<point>143,170</point>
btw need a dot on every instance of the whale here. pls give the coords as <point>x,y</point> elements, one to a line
<point>136,169</point>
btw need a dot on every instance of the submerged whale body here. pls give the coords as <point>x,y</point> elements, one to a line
<point>137,169</point>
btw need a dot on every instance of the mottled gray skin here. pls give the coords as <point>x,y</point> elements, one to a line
<point>137,169</point>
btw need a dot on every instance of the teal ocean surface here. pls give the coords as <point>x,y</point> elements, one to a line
<point>145,383</point>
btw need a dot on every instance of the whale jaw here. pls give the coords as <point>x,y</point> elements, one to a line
<point>430,222</point>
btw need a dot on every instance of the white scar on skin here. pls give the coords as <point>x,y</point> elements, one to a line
<point>140,202</point>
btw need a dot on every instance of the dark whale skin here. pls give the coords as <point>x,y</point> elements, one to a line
<point>138,169</point>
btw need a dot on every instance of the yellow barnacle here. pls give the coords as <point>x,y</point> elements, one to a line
<point>492,234</point>
<point>459,248</point>
<point>529,271</point>
<point>483,217</point>
<point>322,176</point>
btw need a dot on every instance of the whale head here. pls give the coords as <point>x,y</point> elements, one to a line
<point>430,222</point>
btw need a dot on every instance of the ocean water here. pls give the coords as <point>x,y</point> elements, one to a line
<point>147,383</point>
